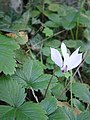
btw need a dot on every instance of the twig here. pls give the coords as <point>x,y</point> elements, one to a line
<point>80,76</point>
<point>34,95</point>
<point>48,38</point>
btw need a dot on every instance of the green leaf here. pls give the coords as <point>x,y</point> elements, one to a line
<point>46,51</point>
<point>53,43</point>
<point>76,44</point>
<point>78,104</point>
<point>67,75</point>
<point>54,18</point>
<point>49,64</point>
<point>7,55</point>
<point>48,32</point>
<point>57,90</point>
<point>42,82</point>
<point>87,34</point>
<point>49,104</point>
<point>36,39</point>
<point>68,25</point>
<point>62,10</point>
<point>22,23</point>
<point>51,24</point>
<point>21,55</point>
<point>87,59</point>
<point>81,44</point>
<point>62,113</point>
<point>32,75</point>
<point>70,19</point>
<point>53,7</point>
<point>81,91</point>
<point>35,13</point>
<point>84,20</point>
<point>59,73</point>
<point>11,92</point>
<point>30,111</point>
<point>27,111</point>
<point>70,43</point>
<point>84,116</point>
<point>7,112</point>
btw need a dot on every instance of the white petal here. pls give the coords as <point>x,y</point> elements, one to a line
<point>66,59</point>
<point>63,49</point>
<point>74,60</point>
<point>56,57</point>
<point>64,53</point>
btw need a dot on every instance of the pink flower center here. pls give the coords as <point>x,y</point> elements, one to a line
<point>64,69</point>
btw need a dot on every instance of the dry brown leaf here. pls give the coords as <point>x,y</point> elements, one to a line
<point>65,104</point>
<point>21,37</point>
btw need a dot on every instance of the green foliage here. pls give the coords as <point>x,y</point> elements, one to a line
<point>32,75</point>
<point>49,104</point>
<point>7,112</point>
<point>53,7</point>
<point>11,92</point>
<point>70,19</point>
<point>79,105</point>
<point>27,111</point>
<point>22,23</point>
<point>82,92</point>
<point>62,114</point>
<point>48,32</point>
<point>27,72</point>
<point>57,90</point>
<point>84,116</point>
<point>7,55</point>
<point>30,111</point>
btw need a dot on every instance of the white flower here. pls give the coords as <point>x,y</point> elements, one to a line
<point>70,61</point>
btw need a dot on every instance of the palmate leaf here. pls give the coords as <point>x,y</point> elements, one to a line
<point>30,111</point>
<point>57,90</point>
<point>81,91</point>
<point>27,111</point>
<point>49,104</point>
<point>7,61</point>
<point>7,112</point>
<point>84,116</point>
<point>32,75</point>
<point>11,92</point>
<point>62,113</point>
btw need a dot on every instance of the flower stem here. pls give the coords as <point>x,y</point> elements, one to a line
<point>72,34</point>
<point>71,89</point>
<point>49,83</point>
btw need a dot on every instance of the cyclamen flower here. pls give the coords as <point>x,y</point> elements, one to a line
<point>69,62</point>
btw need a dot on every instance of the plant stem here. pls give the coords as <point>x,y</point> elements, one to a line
<point>77,31</point>
<point>71,89</point>
<point>78,19</point>
<point>72,34</point>
<point>49,84</point>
